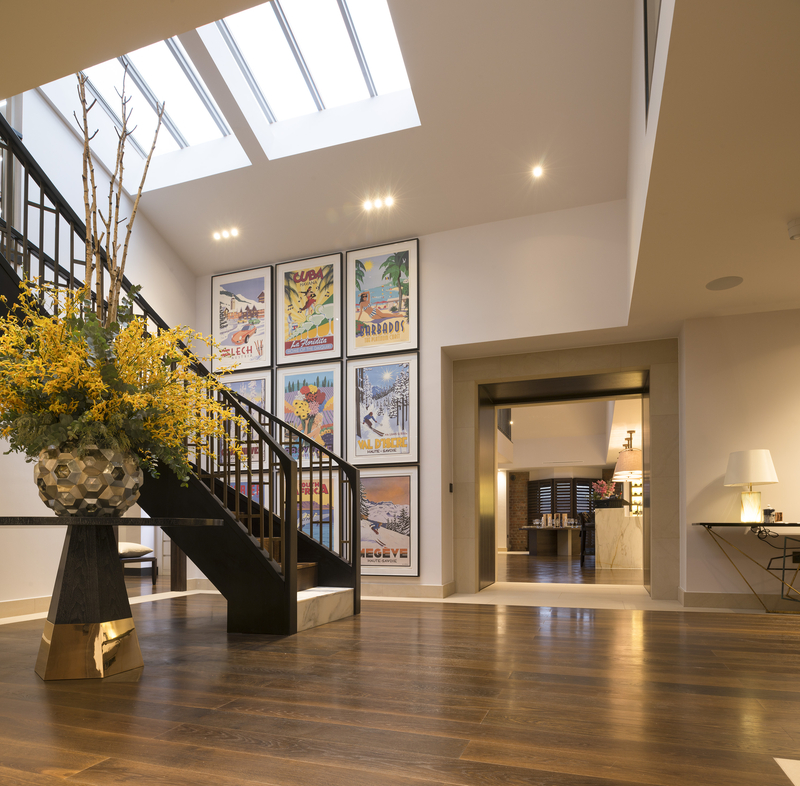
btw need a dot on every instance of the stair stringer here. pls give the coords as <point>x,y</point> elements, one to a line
<point>258,599</point>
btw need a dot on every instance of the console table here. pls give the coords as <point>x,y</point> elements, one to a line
<point>764,532</point>
<point>89,631</point>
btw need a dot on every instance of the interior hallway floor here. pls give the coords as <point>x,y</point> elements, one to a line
<point>416,694</point>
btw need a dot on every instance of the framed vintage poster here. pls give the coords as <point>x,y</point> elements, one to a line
<point>309,400</point>
<point>241,318</point>
<point>382,299</point>
<point>382,410</point>
<point>318,507</point>
<point>255,386</point>
<point>390,522</point>
<point>308,309</point>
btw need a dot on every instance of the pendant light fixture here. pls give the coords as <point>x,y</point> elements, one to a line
<point>629,462</point>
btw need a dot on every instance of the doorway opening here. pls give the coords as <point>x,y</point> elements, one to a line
<point>556,450</point>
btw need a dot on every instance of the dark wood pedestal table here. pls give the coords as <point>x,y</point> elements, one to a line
<point>89,632</point>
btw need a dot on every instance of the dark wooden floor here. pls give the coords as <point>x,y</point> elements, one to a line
<point>560,570</point>
<point>410,694</point>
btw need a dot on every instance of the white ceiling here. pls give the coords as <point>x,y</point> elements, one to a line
<point>498,86</point>
<point>726,171</point>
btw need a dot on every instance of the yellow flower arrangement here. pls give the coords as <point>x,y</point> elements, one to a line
<point>68,379</point>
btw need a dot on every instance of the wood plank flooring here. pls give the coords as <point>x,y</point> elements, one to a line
<point>560,570</point>
<point>414,694</point>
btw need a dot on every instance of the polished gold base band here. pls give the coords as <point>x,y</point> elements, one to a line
<point>89,651</point>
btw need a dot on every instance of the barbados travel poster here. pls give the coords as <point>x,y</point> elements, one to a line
<point>240,318</point>
<point>389,522</point>
<point>308,309</point>
<point>382,410</point>
<point>310,398</point>
<point>382,299</point>
<point>317,507</point>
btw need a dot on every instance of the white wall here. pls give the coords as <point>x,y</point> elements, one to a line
<point>642,137</point>
<point>588,449</point>
<point>739,381</point>
<point>32,554</point>
<point>539,275</point>
<point>501,512</point>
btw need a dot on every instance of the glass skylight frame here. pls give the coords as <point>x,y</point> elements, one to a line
<point>258,90</point>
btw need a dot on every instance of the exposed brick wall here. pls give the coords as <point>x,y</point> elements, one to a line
<point>517,511</point>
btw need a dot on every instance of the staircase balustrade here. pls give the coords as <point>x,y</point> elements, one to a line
<point>286,492</point>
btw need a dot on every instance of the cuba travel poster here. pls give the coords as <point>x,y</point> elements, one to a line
<point>240,319</point>
<point>310,403</point>
<point>308,309</point>
<point>317,494</point>
<point>382,410</point>
<point>382,299</point>
<point>389,522</point>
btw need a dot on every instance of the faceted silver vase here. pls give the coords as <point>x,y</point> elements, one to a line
<point>102,482</point>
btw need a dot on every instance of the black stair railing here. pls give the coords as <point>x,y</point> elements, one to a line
<point>284,483</point>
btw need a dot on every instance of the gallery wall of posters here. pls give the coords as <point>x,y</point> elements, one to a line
<point>355,314</point>
<point>309,399</point>
<point>308,309</point>
<point>382,299</point>
<point>389,508</point>
<point>382,407</point>
<point>241,318</point>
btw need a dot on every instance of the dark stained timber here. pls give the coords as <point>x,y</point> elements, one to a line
<point>410,694</point>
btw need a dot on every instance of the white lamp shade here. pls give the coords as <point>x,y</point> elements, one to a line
<point>629,466</point>
<point>746,467</point>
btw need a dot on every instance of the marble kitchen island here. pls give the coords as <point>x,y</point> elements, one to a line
<point>618,539</point>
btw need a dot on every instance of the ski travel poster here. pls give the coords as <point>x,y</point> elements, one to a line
<point>308,400</point>
<point>318,500</point>
<point>382,308</point>
<point>240,319</point>
<point>308,308</point>
<point>255,387</point>
<point>382,410</point>
<point>389,522</point>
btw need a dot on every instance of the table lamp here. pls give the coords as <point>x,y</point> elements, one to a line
<point>750,468</point>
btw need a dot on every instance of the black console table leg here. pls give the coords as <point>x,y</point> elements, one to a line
<point>89,632</point>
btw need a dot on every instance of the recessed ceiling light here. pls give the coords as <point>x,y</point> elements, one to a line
<point>235,232</point>
<point>726,282</point>
<point>217,236</point>
<point>368,205</point>
<point>378,203</point>
<point>537,171</point>
<point>389,201</point>
<point>225,233</point>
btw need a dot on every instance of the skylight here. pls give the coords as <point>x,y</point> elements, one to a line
<point>304,75</point>
<point>304,56</point>
<point>159,73</point>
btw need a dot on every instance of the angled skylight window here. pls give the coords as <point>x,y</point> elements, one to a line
<point>260,47</point>
<point>379,43</point>
<point>304,56</point>
<point>166,68</point>
<point>159,73</point>
<point>321,35</point>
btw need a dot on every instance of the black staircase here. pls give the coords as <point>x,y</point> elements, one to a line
<point>291,500</point>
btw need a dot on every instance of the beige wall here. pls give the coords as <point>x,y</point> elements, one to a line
<point>659,357</point>
<point>740,377</point>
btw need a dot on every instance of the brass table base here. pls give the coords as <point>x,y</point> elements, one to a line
<point>88,651</point>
